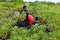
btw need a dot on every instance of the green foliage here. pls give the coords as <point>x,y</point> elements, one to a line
<point>39,9</point>
<point>0,0</point>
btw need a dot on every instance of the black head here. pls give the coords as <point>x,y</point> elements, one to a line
<point>24,6</point>
<point>36,18</point>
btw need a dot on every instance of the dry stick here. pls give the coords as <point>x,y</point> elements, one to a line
<point>48,28</point>
<point>7,35</point>
<point>10,15</point>
<point>1,23</point>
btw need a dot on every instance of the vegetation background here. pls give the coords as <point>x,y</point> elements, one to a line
<point>48,12</point>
